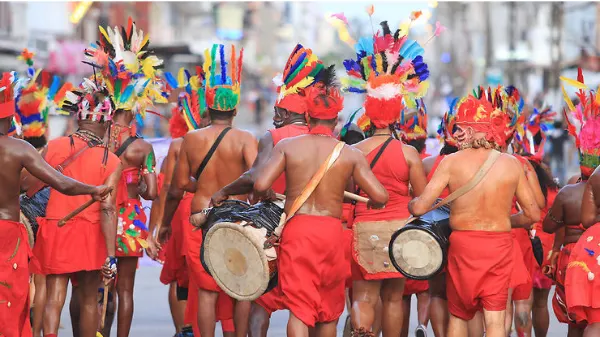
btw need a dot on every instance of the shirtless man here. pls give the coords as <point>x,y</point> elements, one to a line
<point>311,277</point>
<point>236,152</point>
<point>477,136</point>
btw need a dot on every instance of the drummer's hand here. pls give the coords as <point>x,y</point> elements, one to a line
<point>218,198</point>
<point>101,192</point>
<point>153,248</point>
<point>371,205</point>
<point>163,234</point>
<point>109,269</point>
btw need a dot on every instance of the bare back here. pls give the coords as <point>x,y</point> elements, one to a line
<point>11,161</point>
<point>567,208</point>
<point>234,156</point>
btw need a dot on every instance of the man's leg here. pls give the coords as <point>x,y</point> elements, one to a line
<point>241,317</point>
<point>259,321</point>
<point>392,313</point>
<point>406,311</point>
<point>56,290</point>
<point>126,268</point>
<point>575,332</point>
<point>509,313</point>
<point>438,307</point>
<point>365,295</point>
<point>476,325</point>
<point>457,327</point>
<point>207,316</point>
<point>295,327</point>
<point>541,317</point>
<point>39,303</point>
<point>176,307</point>
<point>523,316</point>
<point>494,323</point>
<point>75,310</point>
<point>423,302</point>
<point>328,329</point>
<point>89,282</point>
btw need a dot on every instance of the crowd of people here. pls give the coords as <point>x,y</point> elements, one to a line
<point>514,232</point>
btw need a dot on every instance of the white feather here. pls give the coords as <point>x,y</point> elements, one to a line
<point>386,91</point>
<point>278,80</point>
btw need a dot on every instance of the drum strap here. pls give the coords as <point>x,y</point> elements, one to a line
<point>483,170</point>
<point>308,190</point>
<point>211,151</point>
<point>375,159</point>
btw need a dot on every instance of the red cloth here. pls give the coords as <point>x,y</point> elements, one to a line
<point>582,280</point>
<point>310,273</point>
<point>521,291</point>
<point>415,287</point>
<point>559,300</point>
<point>131,229</point>
<point>348,214</point>
<point>14,275</point>
<point>392,172</point>
<point>479,269</point>
<point>438,159</point>
<point>290,130</point>
<point>79,245</point>
<point>175,268</point>
<point>541,281</point>
<point>293,103</point>
<point>424,155</point>
<point>348,238</point>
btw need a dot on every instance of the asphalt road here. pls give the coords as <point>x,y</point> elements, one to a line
<point>152,318</point>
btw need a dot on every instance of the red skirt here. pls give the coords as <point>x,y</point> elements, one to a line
<point>582,280</point>
<point>522,290</point>
<point>479,272</point>
<point>541,281</point>
<point>14,280</point>
<point>174,268</point>
<point>224,310</point>
<point>77,246</point>
<point>559,300</point>
<point>311,272</point>
<point>131,230</point>
<point>415,287</point>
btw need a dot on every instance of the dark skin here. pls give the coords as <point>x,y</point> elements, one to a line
<point>89,281</point>
<point>366,294</point>
<point>237,152</point>
<point>590,205</point>
<point>300,157</point>
<point>139,154</point>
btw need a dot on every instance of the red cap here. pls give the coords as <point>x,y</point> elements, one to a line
<point>323,102</point>
<point>293,103</point>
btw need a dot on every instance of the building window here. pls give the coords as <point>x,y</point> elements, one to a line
<point>5,18</point>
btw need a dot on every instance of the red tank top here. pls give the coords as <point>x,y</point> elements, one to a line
<point>288,131</point>
<point>438,159</point>
<point>393,173</point>
<point>130,175</point>
<point>87,168</point>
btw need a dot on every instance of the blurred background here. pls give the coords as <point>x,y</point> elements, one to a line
<point>527,44</point>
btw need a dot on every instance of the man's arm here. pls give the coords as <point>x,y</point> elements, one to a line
<point>418,179</point>
<point>554,219</point>
<point>439,181</point>
<point>590,204</point>
<point>39,168</point>
<point>180,180</point>
<point>108,212</point>
<point>530,211</point>
<point>534,184</point>
<point>366,180</point>
<point>149,174</point>
<point>267,173</point>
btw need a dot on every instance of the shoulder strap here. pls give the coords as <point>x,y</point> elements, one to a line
<point>311,186</point>
<point>125,145</point>
<point>211,151</point>
<point>492,157</point>
<point>374,161</point>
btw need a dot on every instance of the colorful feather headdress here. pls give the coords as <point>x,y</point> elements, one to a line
<point>413,120</point>
<point>447,125</point>
<point>90,102</point>
<point>388,68</point>
<point>191,103</point>
<point>222,87</point>
<point>484,116</point>
<point>587,116</point>
<point>531,135</point>
<point>324,99</point>
<point>301,71</point>
<point>128,69</point>
<point>7,95</point>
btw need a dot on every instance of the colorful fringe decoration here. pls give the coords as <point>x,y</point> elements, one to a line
<point>191,103</point>
<point>587,116</point>
<point>222,90</point>
<point>413,126</point>
<point>536,125</point>
<point>447,125</point>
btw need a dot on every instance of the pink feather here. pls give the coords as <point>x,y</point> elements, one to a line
<point>340,16</point>
<point>439,29</point>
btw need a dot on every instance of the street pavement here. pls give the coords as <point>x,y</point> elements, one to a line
<point>152,317</point>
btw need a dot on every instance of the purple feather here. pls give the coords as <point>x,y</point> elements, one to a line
<point>589,251</point>
<point>360,91</point>
<point>223,64</point>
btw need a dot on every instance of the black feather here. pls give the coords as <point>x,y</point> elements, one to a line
<point>384,61</point>
<point>386,28</point>
<point>362,71</point>
<point>126,42</point>
<point>327,76</point>
<point>396,34</point>
<point>395,66</point>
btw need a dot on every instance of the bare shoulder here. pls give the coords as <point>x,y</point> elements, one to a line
<point>145,145</point>
<point>266,139</point>
<point>410,152</point>
<point>353,153</point>
<point>175,145</point>
<point>243,135</point>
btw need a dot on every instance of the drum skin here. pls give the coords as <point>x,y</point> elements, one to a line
<point>35,207</point>
<point>435,226</point>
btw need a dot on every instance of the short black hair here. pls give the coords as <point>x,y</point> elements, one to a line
<point>37,142</point>
<point>448,149</point>
<point>353,137</point>
<point>418,144</point>
<point>220,115</point>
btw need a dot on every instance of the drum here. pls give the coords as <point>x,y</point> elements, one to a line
<point>31,208</point>
<point>233,248</point>
<point>419,249</point>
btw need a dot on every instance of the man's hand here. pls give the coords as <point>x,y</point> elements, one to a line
<point>153,248</point>
<point>101,192</point>
<point>372,205</point>
<point>218,198</point>
<point>163,234</point>
<point>109,269</point>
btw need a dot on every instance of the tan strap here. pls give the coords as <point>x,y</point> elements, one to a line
<point>483,170</point>
<point>310,187</point>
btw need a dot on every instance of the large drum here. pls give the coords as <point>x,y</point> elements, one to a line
<point>233,248</point>
<point>419,249</point>
<point>31,208</point>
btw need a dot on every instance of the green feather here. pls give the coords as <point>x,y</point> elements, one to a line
<point>213,66</point>
<point>132,233</point>
<point>300,68</point>
<point>117,90</point>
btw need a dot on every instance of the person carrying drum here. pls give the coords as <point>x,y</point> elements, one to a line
<point>479,274</point>
<point>390,89</point>
<point>317,168</point>
<point>574,273</point>
<point>200,170</point>
<point>289,121</point>
<point>86,241</point>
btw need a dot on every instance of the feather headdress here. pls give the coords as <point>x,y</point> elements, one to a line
<point>128,69</point>
<point>387,68</point>
<point>324,99</point>
<point>301,71</point>
<point>477,112</point>
<point>587,117</point>
<point>191,103</point>
<point>7,95</point>
<point>413,120</point>
<point>447,124</point>
<point>90,102</point>
<point>531,135</point>
<point>222,88</point>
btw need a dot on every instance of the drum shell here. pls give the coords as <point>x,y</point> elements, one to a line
<point>437,224</point>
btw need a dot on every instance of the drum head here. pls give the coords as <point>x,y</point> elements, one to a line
<point>236,261</point>
<point>416,253</point>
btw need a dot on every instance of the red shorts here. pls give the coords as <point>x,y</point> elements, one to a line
<point>415,287</point>
<point>311,274</point>
<point>520,280</point>
<point>14,280</point>
<point>479,270</point>
<point>559,300</point>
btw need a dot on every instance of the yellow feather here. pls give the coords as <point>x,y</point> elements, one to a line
<point>379,63</point>
<point>181,78</point>
<point>103,32</point>
<point>148,69</point>
<point>567,99</point>
<point>194,82</point>
<point>206,66</point>
<point>302,84</point>
<point>597,96</point>
<point>146,38</point>
<point>574,83</point>
<point>143,243</point>
<point>131,243</point>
